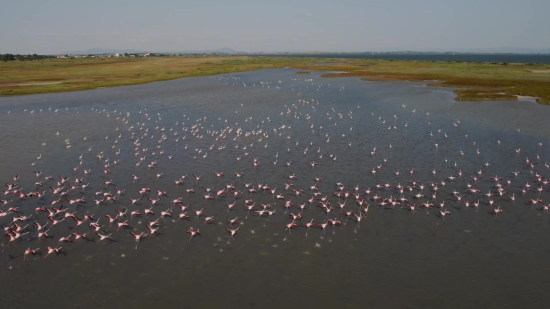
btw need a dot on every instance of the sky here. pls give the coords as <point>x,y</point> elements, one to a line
<point>50,27</point>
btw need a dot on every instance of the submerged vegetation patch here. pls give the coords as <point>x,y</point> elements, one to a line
<point>483,94</point>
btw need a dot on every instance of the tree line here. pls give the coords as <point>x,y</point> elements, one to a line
<point>12,57</point>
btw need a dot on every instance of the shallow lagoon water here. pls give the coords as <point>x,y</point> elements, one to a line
<point>395,258</point>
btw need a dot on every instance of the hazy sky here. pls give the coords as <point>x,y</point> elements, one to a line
<point>40,26</point>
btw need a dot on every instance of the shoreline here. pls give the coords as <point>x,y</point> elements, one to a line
<point>466,89</point>
<point>526,98</point>
<point>471,81</point>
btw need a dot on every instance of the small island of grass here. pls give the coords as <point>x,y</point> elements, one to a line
<point>473,81</point>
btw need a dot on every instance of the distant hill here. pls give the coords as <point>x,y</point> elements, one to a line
<point>225,50</point>
<point>96,51</point>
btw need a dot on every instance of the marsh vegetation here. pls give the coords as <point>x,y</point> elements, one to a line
<point>472,80</point>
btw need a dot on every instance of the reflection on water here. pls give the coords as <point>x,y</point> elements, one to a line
<point>328,129</point>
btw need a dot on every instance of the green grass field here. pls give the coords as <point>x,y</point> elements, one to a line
<point>52,75</point>
<point>472,81</point>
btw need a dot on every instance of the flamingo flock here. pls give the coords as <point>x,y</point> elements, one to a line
<point>121,189</point>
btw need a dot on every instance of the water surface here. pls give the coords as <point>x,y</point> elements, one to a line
<point>394,258</point>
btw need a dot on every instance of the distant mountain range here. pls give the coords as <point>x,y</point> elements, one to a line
<point>96,51</point>
<point>226,50</point>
